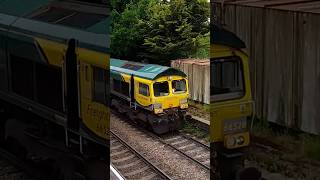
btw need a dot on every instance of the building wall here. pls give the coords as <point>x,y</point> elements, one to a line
<point>285,61</point>
<point>198,72</point>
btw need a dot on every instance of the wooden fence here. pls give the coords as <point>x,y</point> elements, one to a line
<point>198,72</point>
<point>283,41</point>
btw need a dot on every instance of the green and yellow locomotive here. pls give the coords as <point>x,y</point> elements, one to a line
<point>231,104</point>
<point>156,95</point>
<point>54,68</point>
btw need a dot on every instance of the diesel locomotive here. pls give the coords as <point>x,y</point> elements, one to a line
<point>231,100</point>
<point>152,94</point>
<point>54,69</point>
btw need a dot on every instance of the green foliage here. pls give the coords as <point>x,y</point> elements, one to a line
<point>195,131</point>
<point>158,30</point>
<point>312,147</point>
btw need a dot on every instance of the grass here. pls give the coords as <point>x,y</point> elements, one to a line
<point>201,106</point>
<point>298,143</point>
<point>199,133</point>
<point>311,147</point>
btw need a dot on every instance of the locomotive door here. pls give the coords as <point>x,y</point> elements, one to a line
<point>132,91</point>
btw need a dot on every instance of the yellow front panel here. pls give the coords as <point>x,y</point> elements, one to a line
<point>230,109</point>
<point>171,100</point>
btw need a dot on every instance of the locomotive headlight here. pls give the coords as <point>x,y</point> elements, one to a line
<point>235,125</point>
<point>237,140</point>
<point>157,108</point>
<point>184,103</point>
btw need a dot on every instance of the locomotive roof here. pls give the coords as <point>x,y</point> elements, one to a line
<point>58,20</point>
<point>224,37</point>
<point>147,71</point>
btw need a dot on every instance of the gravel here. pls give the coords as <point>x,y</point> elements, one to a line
<point>199,113</point>
<point>171,162</point>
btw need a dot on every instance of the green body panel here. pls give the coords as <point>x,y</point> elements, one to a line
<point>101,27</point>
<point>20,7</point>
<point>146,71</point>
<point>15,18</point>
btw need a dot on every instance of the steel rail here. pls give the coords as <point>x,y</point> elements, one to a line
<point>142,157</point>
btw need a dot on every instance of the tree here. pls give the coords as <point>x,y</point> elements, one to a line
<point>126,39</point>
<point>160,30</point>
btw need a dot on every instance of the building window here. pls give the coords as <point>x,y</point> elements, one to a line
<point>99,85</point>
<point>144,89</point>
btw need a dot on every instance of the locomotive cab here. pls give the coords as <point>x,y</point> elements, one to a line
<point>169,92</point>
<point>157,95</point>
<point>231,99</point>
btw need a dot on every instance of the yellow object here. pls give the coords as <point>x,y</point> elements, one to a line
<point>171,100</point>
<point>94,115</point>
<point>228,114</point>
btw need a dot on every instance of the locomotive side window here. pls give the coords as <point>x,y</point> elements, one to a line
<point>161,89</point>
<point>49,94</point>
<point>121,87</point>
<point>99,85</point>
<point>144,89</point>
<point>227,79</point>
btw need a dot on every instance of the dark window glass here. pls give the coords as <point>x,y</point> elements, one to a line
<point>161,89</point>
<point>53,14</point>
<point>116,85</point>
<point>227,78</point>
<point>82,20</point>
<point>179,86</point>
<point>144,89</point>
<point>69,17</point>
<point>121,87</point>
<point>99,85</point>
<point>49,86</point>
<point>125,88</point>
<point>22,71</point>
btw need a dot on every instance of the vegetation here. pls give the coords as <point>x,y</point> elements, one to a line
<point>205,108</point>
<point>299,143</point>
<point>195,131</point>
<point>292,153</point>
<point>160,30</point>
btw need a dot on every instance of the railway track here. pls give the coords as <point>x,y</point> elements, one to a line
<point>185,145</point>
<point>11,168</point>
<point>131,163</point>
<point>189,147</point>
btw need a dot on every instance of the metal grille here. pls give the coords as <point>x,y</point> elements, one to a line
<point>53,15</point>
<point>69,18</point>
